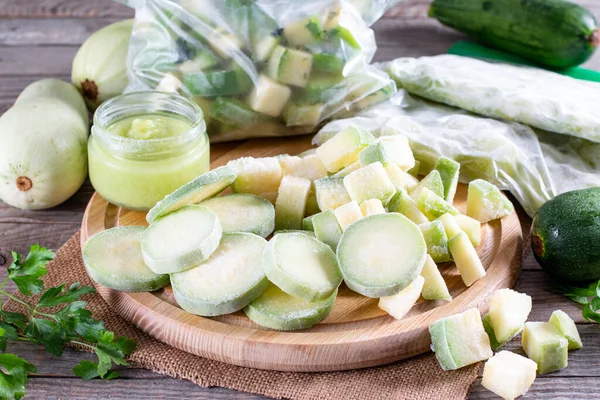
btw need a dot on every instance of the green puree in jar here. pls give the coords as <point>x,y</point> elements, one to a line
<point>152,126</point>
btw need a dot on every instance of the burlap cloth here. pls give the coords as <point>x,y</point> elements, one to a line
<point>417,378</point>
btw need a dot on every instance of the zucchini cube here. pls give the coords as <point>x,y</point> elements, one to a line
<point>566,326</point>
<point>433,182</point>
<point>309,167</point>
<point>303,114</point>
<point>389,149</point>
<point>508,375</point>
<point>370,182</point>
<point>290,205</point>
<point>269,97</point>
<point>471,227</point>
<point>450,225</point>
<point>348,214</point>
<point>437,240</point>
<point>331,193</point>
<point>372,207</point>
<point>485,202</point>
<point>327,229</point>
<point>399,304</point>
<point>449,171</point>
<point>508,312</point>
<point>290,66</point>
<point>258,176</point>
<point>399,178</point>
<point>544,344</point>
<point>305,31</point>
<point>433,206</point>
<point>466,259</point>
<point>402,203</point>
<point>435,287</point>
<point>347,170</point>
<point>343,148</point>
<point>489,329</point>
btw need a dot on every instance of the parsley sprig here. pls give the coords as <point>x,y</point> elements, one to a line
<point>587,296</point>
<point>58,317</point>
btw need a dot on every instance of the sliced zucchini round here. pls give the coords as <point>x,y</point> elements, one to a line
<point>225,283</point>
<point>381,254</point>
<point>181,240</point>
<point>243,213</point>
<point>200,188</point>
<point>113,258</point>
<point>276,309</point>
<point>301,266</point>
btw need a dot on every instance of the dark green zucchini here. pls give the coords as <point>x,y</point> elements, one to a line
<point>554,33</point>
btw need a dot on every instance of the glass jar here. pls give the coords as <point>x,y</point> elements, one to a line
<point>137,173</point>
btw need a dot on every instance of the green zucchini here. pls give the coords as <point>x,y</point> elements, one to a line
<point>554,33</point>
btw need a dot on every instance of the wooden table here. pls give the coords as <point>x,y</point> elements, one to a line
<point>38,38</point>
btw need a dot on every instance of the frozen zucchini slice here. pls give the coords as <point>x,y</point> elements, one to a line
<point>489,329</point>
<point>230,82</point>
<point>355,166</point>
<point>471,227</point>
<point>343,148</point>
<point>308,167</point>
<point>449,171</point>
<point>228,281</point>
<point>434,287</point>
<point>301,266</point>
<point>181,240</point>
<point>304,31</point>
<point>399,304</point>
<point>382,254</point>
<point>372,207</point>
<point>201,188</point>
<point>269,97</point>
<point>460,340</point>
<point>437,241</point>
<point>508,375</point>
<point>235,112</point>
<point>402,203</point>
<point>466,259</point>
<point>258,176</point>
<point>433,182</point>
<point>433,206</point>
<point>328,63</point>
<point>290,66</point>
<point>348,214</point>
<point>399,178</point>
<point>327,229</point>
<point>508,311</point>
<point>566,326</point>
<point>276,309</point>
<point>450,225</point>
<point>290,205</point>
<point>243,213</point>
<point>370,182</point>
<point>485,202</point>
<point>544,344</point>
<point>113,258</point>
<point>331,193</point>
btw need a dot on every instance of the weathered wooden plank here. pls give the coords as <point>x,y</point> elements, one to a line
<point>63,8</point>
<point>36,60</point>
<point>549,387</point>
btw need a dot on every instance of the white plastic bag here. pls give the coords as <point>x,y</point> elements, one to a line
<point>260,67</point>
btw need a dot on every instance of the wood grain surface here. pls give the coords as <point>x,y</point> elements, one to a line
<point>28,26</point>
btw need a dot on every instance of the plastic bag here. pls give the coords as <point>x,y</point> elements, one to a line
<point>532,96</point>
<point>533,165</point>
<point>263,67</point>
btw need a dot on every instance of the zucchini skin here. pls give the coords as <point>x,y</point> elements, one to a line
<point>553,33</point>
<point>565,236</point>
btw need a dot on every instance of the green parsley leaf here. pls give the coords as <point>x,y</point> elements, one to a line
<point>86,370</point>
<point>17,319</point>
<point>13,376</point>
<point>587,296</point>
<point>7,332</point>
<point>58,295</point>
<point>47,333</point>
<point>26,273</point>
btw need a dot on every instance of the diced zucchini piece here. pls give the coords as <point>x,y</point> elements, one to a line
<point>230,82</point>
<point>263,48</point>
<point>399,304</point>
<point>466,259</point>
<point>402,203</point>
<point>508,375</point>
<point>312,206</point>
<point>169,84</point>
<point>235,112</point>
<point>347,170</point>
<point>566,326</point>
<point>113,258</point>
<point>290,205</point>
<point>460,340</point>
<point>181,240</point>
<point>382,254</point>
<point>276,309</point>
<point>450,225</point>
<point>434,287</point>
<point>544,344</point>
<point>302,114</point>
<point>269,97</point>
<point>372,207</point>
<point>343,148</point>
<point>433,206</point>
<point>228,281</point>
<point>485,202</point>
<point>433,182</point>
<point>348,214</point>
<point>398,151</point>
<point>437,240</point>
<point>376,97</point>
<point>258,176</point>
<point>308,167</point>
<point>290,66</point>
<point>327,229</point>
<point>309,152</point>
<point>328,63</point>
<point>307,224</point>
<point>200,188</point>
<point>399,178</point>
<point>225,44</point>
<point>414,171</point>
<point>323,89</point>
<point>449,171</point>
<point>489,329</point>
<point>370,182</point>
<point>243,213</point>
<point>302,266</point>
<point>471,227</point>
<point>304,31</point>
<point>509,311</point>
<point>331,193</point>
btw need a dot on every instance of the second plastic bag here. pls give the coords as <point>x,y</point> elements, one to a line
<point>260,68</point>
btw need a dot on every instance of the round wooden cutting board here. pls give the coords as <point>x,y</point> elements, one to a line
<point>356,334</point>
